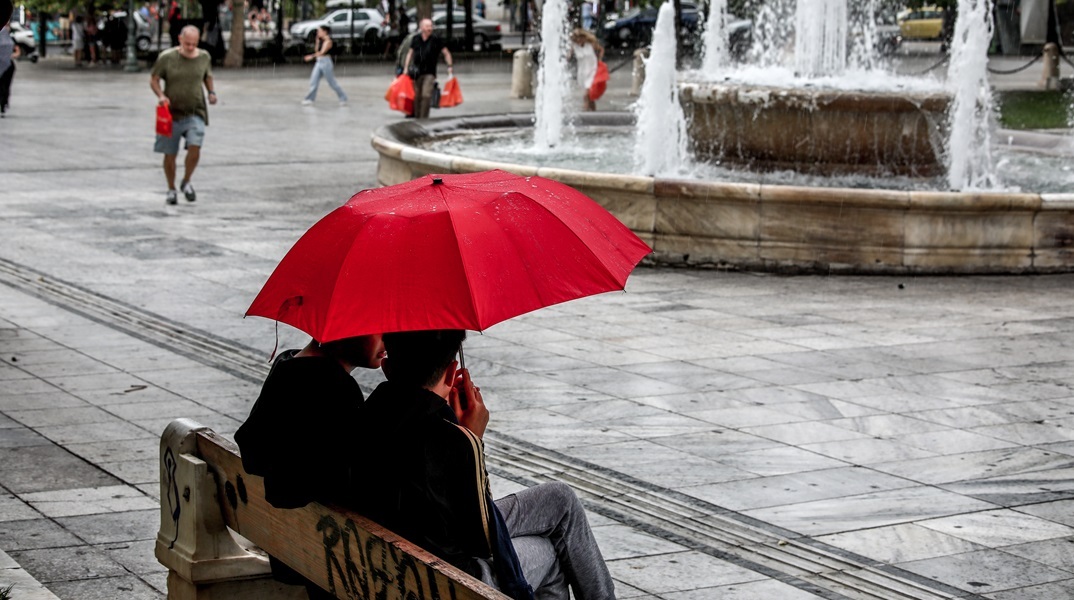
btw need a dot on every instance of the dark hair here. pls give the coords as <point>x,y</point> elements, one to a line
<point>421,357</point>
<point>326,29</point>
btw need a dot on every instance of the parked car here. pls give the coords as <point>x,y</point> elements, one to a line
<point>487,33</point>
<point>145,36</point>
<point>635,28</point>
<point>370,27</point>
<point>925,23</point>
<point>24,39</point>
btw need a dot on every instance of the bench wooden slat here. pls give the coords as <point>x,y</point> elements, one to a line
<point>337,549</point>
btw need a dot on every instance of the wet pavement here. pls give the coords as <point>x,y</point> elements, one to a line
<point>734,435</point>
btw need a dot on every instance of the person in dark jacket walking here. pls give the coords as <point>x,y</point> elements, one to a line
<point>435,490</point>
<point>425,50</point>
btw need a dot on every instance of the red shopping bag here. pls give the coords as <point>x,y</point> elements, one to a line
<point>400,95</point>
<point>451,94</point>
<point>600,82</point>
<point>164,120</point>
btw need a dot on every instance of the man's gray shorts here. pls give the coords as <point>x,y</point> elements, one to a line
<point>192,128</point>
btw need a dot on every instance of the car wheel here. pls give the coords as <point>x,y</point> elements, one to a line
<point>142,43</point>
<point>624,36</point>
<point>481,43</point>
<point>371,39</point>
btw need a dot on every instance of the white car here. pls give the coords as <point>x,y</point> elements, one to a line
<point>370,27</point>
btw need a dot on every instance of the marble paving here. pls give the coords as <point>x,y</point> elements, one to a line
<point>922,424</point>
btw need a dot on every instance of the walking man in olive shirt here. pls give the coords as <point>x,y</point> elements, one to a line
<point>184,70</point>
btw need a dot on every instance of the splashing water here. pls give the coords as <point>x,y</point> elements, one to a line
<point>715,53</point>
<point>969,153</point>
<point>553,83</point>
<point>820,42</point>
<point>660,138</point>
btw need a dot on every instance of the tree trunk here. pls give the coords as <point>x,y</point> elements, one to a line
<point>468,31</point>
<point>425,10</point>
<point>450,24</point>
<point>237,47</point>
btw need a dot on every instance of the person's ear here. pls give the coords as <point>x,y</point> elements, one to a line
<point>449,373</point>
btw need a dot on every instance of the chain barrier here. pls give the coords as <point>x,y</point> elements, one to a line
<point>940,63</point>
<point>1018,70</point>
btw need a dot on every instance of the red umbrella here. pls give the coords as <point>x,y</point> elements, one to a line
<point>448,252</point>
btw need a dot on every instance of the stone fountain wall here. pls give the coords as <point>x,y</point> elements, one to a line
<point>783,228</point>
<point>816,131</point>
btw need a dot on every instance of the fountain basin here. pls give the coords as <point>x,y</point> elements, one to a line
<point>777,227</point>
<point>817,130</point>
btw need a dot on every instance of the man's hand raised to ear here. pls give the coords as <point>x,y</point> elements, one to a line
<point>465,399</point>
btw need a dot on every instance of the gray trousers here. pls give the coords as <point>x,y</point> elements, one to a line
<point>555,545</point>
<point>423,95</point>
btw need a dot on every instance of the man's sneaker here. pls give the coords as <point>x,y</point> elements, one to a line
<point>171,198</point>
<point>343,103</point>
<point>307,102</point>
<point>188,191</point>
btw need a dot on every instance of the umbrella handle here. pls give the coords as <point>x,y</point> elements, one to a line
<point>462,358</point>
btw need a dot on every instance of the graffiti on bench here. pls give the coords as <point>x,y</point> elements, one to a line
<point>365,576</point>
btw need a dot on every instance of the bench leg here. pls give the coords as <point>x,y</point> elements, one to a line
<point>204,560</point>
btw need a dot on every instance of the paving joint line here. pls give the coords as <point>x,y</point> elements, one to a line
<point>792,558</point>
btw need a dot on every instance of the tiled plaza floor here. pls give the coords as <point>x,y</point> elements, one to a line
<point>916,431</point>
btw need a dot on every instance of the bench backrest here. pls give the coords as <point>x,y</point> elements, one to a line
<point>337,549</point>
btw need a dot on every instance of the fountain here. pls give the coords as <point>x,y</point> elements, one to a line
<point>817,217</point>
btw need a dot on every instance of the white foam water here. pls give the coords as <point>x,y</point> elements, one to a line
<point>820,41</point>
<point>660,145</point>
<point>553,76</point>
<point>715,53</point>
<point>970,165</point>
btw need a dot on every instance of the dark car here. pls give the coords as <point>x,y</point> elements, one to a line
<point>635,28</point>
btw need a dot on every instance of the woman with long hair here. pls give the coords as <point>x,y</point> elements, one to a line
<point>587,53</point>
<point>323,67</point>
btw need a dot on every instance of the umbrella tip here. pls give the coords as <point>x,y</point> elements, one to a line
<point>438,180</point>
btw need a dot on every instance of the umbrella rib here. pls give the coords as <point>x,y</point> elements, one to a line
<point>462,263</point>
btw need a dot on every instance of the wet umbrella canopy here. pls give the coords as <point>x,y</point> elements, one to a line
<point>448,252</point>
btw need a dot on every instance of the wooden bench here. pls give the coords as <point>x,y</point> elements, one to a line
<point>215,528</point>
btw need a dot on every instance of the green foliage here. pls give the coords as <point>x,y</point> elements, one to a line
<point>1033,110</point>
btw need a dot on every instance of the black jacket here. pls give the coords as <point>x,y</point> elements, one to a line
<point>425,474</point>
<point>299,433</point>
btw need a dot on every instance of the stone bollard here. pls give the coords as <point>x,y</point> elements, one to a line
<point>204,560</point>
<point>639,70</point>
<point>1050,79</point>
<point>522,74</point>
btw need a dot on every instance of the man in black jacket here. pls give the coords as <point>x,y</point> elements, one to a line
<point>434,490</point>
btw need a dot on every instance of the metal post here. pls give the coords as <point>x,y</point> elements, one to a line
<point>42,31</point>
<point>132,40</point>
<point>279,31</point>
<point>351,17</point>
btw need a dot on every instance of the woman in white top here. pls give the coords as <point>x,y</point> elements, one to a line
<point>587,53</point>
<point>323,68</point>
<point>78,38</point>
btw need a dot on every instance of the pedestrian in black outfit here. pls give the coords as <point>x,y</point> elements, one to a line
<point>425,51</point>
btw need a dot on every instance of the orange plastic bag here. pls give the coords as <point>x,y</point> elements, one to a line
<point>164,120</point>
<point>600,82</point>
<point>451,95</point>
<point>400,94</point>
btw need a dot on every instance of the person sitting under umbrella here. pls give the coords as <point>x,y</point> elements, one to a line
<point>289,438</point>
<point>434,491</point>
